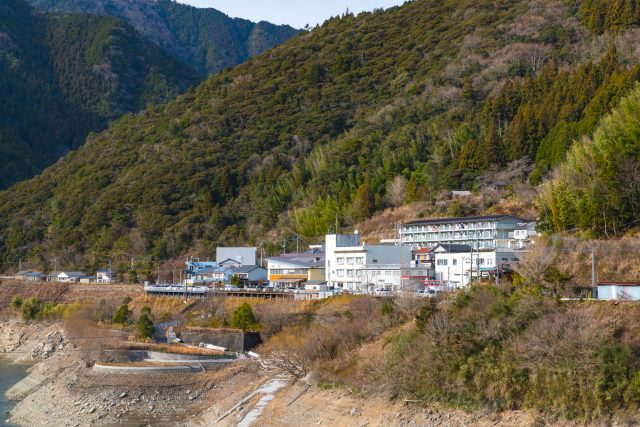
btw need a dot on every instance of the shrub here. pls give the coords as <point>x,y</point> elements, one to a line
<point>30,308</point>
<point>145,326</point>
<point>16,302</point>
<point>123,314</point>
<point>243,318</point>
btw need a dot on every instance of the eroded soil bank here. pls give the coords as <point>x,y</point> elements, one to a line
<point>63,389</point>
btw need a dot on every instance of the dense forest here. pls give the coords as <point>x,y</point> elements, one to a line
<point>62,77</point>
<point>205,38</point>
<point>429,94</point>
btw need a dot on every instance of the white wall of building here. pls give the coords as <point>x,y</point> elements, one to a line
<point>345,261</point>
<point>455,268</point>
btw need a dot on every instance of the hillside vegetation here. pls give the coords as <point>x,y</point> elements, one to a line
<point>64,76</point>
<point>205,38</point>
<point>384,108</point>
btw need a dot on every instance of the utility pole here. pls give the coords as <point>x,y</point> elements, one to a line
<point>20,265</point>
<point>594,288</point>
<point>297,244</point>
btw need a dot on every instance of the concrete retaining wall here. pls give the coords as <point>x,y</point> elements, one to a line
<point>233,340</point>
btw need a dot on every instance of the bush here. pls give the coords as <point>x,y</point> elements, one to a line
<point>243,318</point>
<point>16,302</point>
<point>145,326</point>
<point>31,308</point>
<point>123,314</point>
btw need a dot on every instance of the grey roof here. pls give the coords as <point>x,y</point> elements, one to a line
<point>34,273</point>
<point>463,219</point>
<point>453,248</point>
<point>72,273</point>
<point>246,268</point>
<point>302,260</point>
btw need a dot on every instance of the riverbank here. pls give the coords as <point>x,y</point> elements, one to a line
<point>63,388</point>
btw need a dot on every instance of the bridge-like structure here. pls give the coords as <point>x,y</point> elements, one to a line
<point>207,292</point>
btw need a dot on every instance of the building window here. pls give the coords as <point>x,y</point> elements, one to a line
<point>350,261</point>
<point>442,262</point>
<point>396,273</point>
<point>359,260</point>
<point>387,273</point>
<point>349,273</point>
<point>340,273</point>
<point>454,261</point>
<point>340,261</point>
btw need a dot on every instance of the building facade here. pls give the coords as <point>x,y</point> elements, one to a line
<point>346,260</point>
<point>457,265</point>
<point>294,270</point>
<point>243,255</point>
<point>250,274</point>
<point>479,232</point>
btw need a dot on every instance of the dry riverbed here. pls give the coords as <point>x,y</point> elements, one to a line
<point>63,389</point>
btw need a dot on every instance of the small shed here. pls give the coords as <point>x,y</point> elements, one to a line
<point>619,291</point>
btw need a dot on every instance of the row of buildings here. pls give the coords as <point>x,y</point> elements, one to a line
<point>101,276</point>
<point>445,253</point>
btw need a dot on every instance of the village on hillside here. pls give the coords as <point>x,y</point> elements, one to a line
<point>426,257</point>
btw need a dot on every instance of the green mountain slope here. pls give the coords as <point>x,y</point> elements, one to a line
<point>434,92</point>
<point>204,38</point>
<point>64,76</point>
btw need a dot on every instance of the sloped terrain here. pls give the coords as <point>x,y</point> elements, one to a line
<point>62,77</point>
<point>433,94</point>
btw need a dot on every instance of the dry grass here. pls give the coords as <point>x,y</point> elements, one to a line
<point>159,305</point>
<point>617,260</point>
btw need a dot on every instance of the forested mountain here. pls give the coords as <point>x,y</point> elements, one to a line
<point>205,38</point>
<point>434,92</point>
<point>64,76</point>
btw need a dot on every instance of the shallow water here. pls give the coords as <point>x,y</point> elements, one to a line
<point>10,374</point>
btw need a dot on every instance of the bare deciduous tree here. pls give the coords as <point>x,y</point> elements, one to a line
<point>535,263</point>
<point>397,191</point>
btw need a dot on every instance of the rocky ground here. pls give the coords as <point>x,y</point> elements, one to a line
<point>63,389</point>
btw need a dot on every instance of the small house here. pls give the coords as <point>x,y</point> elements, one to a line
<point>29,276</point>
<point>250,274</point>
<point>105,276</point>
<point>70,276</point>
<point>34,276</point>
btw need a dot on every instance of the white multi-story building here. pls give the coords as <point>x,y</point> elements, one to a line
<point>346,259</point>
<point>480,232</point>
<point>456,265</point>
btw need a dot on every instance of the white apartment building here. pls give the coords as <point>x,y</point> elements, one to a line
<point>346,260</point>
<point>480,232</point>
<point>456,265</point>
